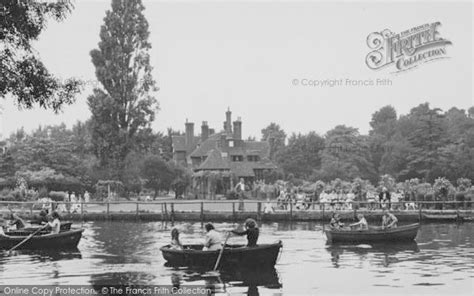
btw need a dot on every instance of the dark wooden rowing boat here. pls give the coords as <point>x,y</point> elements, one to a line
<point>233,256</point>
<point>63,240</point>
<point>374,235</point>
<point>442,217</point>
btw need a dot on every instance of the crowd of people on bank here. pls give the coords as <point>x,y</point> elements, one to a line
<point>71,203</point>
<point>335,200</point>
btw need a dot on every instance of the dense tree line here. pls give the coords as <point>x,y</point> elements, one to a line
<point>426,143</point>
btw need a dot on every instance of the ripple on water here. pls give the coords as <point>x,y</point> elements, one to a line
<point>124,253</point>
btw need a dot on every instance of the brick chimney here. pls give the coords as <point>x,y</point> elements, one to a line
<point>228,121</point>
<point>238,129</point>
<point>204,131</point>
<point>189,134</point>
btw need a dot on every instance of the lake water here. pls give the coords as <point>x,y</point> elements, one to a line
<point>440,262</point>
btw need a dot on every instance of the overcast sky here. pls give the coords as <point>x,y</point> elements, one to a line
<point>208,56</point>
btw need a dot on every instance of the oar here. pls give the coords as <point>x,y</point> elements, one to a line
<point>220,253</point>
<point>27,239</point>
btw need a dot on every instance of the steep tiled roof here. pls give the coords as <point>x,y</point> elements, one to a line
<point>215,161</point>
<point>242,169</point>
<point>205,147</point>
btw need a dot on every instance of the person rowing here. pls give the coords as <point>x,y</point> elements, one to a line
<point>213,239</point>
<point>55,224</point>
<point>251,230</point>
<point>336,222</point>
<point>363,225</point>
<point>389,220</point>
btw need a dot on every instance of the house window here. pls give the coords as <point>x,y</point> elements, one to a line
<point>253,158</point>
<point>231,143</point>
<point>237,158</point>
<point>258,174</point>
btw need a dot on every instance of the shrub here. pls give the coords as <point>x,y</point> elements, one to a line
<point>6,195</point>
<point>58,195</point>
<point>43,192</point>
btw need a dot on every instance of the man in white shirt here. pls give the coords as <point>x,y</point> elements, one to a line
<point>213,240</point>
<point>55,224</point>
<point>240,188</point>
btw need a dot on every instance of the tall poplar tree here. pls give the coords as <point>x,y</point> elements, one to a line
<point>123,108</point>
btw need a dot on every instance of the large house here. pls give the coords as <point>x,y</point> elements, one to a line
<point>224,151</point>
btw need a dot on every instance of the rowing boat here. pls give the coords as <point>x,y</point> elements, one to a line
<point>373,235</point>
<point>233,256</point>
<point>63,240</point>
<point>442,217</point>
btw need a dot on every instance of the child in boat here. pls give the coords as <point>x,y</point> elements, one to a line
<point>389,220</point>
<point>213,240</point>
<point>363,225</point>
<point>55,224</point>
<point>175,243</point>
<point>252,232</point>
<point>336,222</point>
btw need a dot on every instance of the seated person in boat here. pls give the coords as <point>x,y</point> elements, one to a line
<point>2,224</point>
<point>389,220</point>
<point>175,243</point>
<point>336,222</point>
<point>251,230</point>
<point>17,221</point>
<point>43,217</point>
<point>213,240</point>
<point>55,224</point>
<point>363,225</point>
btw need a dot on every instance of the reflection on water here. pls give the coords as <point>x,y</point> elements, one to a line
<point>440,261</point>
<point>385,253</point>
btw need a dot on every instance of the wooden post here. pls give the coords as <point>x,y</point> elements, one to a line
<point>202,211</point>
<point>166,211</point>
<point>108,210</point>
<point>259,210</point>
<point>82,211</point>
<point>172,212</point>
